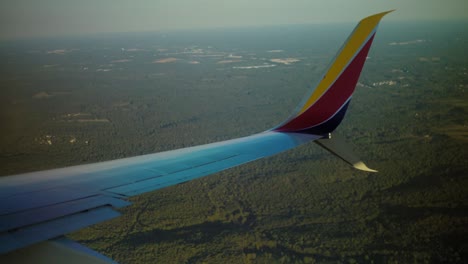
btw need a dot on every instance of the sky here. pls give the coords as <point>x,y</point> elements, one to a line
<point>43,18</point>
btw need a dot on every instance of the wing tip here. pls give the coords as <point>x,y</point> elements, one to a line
<point>361,166</point>
<point>376,17</point>
<point>338,147</point>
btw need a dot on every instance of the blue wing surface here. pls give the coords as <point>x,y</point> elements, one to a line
<point>32,203</point>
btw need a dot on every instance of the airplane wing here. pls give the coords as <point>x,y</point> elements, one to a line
<point>38,208</point>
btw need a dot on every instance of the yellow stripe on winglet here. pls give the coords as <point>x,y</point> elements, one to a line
<point>355,41</point>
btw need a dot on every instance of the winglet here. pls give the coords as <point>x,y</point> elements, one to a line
<point>326,106</point>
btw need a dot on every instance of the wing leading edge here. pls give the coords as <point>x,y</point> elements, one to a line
<point>45,205</point>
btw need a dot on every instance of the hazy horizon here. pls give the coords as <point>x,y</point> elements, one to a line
<point>54,18</point>
<point>341,26</point>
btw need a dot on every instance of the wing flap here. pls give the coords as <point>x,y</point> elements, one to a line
<point>60,250</point>
<point>43,214</point>
<point>40,198</point>
<point>29,235</point>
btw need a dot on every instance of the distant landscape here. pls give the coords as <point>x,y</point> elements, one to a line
<point>86,99</point>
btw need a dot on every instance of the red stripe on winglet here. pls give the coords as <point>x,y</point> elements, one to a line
<point>334,97</point>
